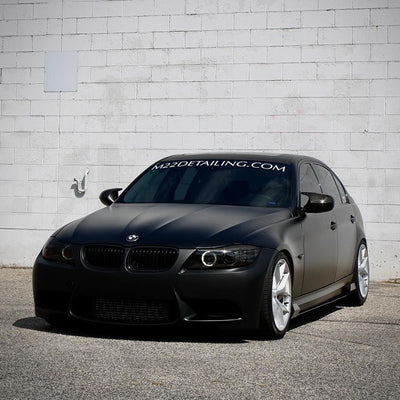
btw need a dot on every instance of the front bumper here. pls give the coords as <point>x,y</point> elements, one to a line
<point>229,297</point>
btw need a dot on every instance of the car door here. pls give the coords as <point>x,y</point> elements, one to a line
<point>319,238</point>
<point>344,218</point>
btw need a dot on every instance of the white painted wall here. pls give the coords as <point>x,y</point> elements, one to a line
<point>318,77</point>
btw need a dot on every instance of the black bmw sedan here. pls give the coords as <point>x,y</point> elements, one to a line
<point>244,241</point>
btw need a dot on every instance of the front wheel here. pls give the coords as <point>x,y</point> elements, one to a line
<point>276,308</point>
<point>360,277</point>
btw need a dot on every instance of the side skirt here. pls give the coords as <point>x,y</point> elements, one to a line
<point>323,296</point>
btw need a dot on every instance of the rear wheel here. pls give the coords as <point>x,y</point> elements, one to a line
<point>360,276</point>
<point>276,308</point>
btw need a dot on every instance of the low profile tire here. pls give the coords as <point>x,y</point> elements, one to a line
<point>360,277</point>
<point>276,308</point>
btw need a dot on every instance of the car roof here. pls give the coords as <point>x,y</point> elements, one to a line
<point>292,159</point>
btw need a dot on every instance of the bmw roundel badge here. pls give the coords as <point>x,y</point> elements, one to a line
<point>132,238</point>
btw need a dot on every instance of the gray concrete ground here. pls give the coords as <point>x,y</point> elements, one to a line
<point>337,352</point>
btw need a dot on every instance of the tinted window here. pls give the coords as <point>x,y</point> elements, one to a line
<point>327,183</point>
<point>342,192</point>
<point>231,182</point>
<point>308,180</point>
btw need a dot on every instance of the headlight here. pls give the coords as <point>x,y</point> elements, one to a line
<point>57,251</point>
<point>223,257</point>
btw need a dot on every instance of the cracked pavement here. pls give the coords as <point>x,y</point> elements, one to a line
<point>335,352</point>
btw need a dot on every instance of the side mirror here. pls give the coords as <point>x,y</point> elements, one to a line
<point>318,202</point>
<point>107,197</point>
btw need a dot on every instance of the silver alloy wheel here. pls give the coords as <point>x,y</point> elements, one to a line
<point>281,294</point>
<point>363,270</point>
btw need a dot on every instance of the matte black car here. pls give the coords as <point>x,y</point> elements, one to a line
<point>244,241</point>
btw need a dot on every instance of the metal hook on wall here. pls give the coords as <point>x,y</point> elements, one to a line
<point>81,185</point>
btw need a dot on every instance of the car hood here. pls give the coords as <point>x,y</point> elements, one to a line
<point>176,225</point>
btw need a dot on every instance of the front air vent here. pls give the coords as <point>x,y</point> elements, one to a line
<point>103,256</point>
<point>151,258</point>
<point>125,311</point>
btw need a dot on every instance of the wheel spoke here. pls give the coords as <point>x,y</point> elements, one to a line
<point>283,282</point>
<point>281,294</point>
<point>363,270</point>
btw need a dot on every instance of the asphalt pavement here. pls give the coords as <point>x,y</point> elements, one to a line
<point>337,352</point>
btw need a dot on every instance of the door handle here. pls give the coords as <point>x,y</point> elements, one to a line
<point>333,225</point>
<point>352,219</point>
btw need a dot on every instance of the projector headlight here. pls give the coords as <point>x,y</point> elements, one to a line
<point>57,251</point>
<point>223,257</point>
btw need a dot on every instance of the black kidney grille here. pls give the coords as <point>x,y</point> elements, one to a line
<point>151,258</point>
<point>133,311</point>
<point>103,256</point>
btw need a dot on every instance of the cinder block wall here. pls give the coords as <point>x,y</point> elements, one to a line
<point>318,77</point>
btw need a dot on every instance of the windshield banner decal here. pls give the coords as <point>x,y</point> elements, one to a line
<point>221,163</point>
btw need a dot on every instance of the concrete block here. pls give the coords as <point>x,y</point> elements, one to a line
<point>385,16</point>
<point>299,36</point>
<point>352,17</point>
<point>385,87</point>
<point>370,34</point>
<point>54,26</point>
<point>122,24</point>
<point>287,19</point>
<point>69,26</point>
<point>262,5</point>
<point>394,34</point>
<point>49,9</point>
<point>369,70</point>
<point>251,55</point>
<point>222,123</point>
<point>169,40</point>
<point>394,69</point>
<point>149,57</point>
<point>18,11</point>
<point>200,72</point>
<point>30,59</point>
<point>92,25</point>
<point>153,23</point>
<point>76,42</point>
<point>169,8</point>
<point>108,8</point>
<point>334,70</point>
<point>201,6</point>
<point>107,41</point>
<point>201,39</point>
<point>185,23</point>
<point>215,22</point>
<point>232,72</point>
<point>318,53</point>
<point>335,36</point>
<point>32,27</point>
<point>385,52</point>
<point>250,21</point>
<point>268,37</point>
<point>248,124</point>
<point>392,105</point>
<point>227,6</point>
<point>137,40</point>
<point>265,72</point>
<point>314,19</point>
<point>215,90</point>
<point>8,60</point>
<point>78,9</point>
<point>233,38</point>
<point>17,43</point>
<point>167,73</point>
<point>183,124</point>
<point>367,105</point>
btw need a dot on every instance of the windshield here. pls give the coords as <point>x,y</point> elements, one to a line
<point>229,182</point>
